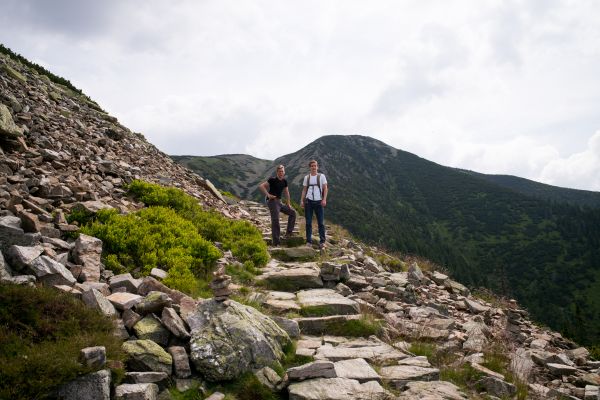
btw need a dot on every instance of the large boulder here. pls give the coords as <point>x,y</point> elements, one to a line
<point>87,252</point>
<point>145,355</point>
<point>229,339</point>
<point>51,272</point>
<point>336,389</point>
<point>8,128</point>
<point>94,386</point>
<point>12,233</point>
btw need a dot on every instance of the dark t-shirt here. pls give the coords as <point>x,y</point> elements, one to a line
<point>276,186</point>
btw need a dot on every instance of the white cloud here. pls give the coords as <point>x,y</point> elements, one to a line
<point>498,86</point>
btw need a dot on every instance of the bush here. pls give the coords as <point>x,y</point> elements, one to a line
<point>241,237</point>
<point>41,333</point>
<point>154,237</point>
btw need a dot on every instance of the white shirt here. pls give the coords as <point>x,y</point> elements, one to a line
<point>312,193</point>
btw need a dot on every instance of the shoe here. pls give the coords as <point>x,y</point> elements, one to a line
<point>321,246</point>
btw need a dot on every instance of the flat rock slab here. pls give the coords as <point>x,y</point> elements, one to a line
<point>399,375</point>
<point>356,368</point>
<point>435,390</point>
<point>336,389</point>
<point>561,369</point>
<point>419,361</point>
<point>475,307</point>
<point>294,278</point>
<point>316,369</point>
<point>323,325</point>
<point>326,302</point>
<point>302,253</point>
<point>124,300</point>
<point>281,302</point>
<point>380,353</point>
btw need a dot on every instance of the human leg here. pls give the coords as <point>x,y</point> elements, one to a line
<point>308,215</point>
<point>291,222</point>
<point>321,222</point>
<point>274,207</point>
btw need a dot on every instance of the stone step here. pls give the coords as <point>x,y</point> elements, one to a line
<point>301,253</point>
<point>325,302</point>
<point>291,278</point>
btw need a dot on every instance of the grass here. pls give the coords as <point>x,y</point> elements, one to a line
<point>41,334</point>
<point>242,273</point>
<point>317,311</point>
<point>366,326</point>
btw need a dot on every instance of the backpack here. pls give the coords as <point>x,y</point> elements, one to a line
<point>318,185</point>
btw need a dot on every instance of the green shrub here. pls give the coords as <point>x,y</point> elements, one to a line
<point>241,237</point>
<point>154,237</point>
<point>41,333</point>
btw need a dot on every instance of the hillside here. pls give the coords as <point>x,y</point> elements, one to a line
<point>126,276</point>
<point>485,233</point>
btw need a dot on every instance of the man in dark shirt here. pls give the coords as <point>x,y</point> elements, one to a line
<point>273,188</point>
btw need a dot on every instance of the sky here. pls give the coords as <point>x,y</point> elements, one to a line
<point>494,86</point>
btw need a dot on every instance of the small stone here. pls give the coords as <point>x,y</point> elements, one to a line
<point>93,357</point>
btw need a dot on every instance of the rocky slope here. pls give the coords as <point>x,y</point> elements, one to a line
<point>363,316</point>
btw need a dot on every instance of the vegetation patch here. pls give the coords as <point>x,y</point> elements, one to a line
<point>41,333</point>
<point>365,326</point>
<point>317,311</point>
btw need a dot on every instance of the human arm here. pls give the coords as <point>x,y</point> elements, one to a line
<point>325,191</point>
<point>264,188</point>
<point>303,196</point>
<point>287,196</point>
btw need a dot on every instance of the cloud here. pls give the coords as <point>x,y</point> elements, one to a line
<point>579,170</point>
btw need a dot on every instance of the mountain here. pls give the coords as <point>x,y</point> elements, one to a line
<point>528,187</point>
<point>523,242</point>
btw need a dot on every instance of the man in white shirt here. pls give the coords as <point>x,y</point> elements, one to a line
<point>314,199</point>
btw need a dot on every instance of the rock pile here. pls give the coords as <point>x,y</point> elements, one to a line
<point>220,284</point>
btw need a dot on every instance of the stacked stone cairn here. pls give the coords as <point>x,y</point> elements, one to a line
<point>220,284</point>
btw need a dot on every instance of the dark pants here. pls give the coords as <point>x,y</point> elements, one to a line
<point>309,207</point>
<point>275,206</point>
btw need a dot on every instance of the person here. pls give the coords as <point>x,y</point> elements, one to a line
<point>314,199</point>
<point>273,189</point>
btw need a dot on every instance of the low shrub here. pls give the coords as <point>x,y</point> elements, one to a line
<point>154,237</point>
<point>41,333</point>
<point>241,237</point>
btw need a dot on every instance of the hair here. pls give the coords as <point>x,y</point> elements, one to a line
<point>280,166</point>
<point>312,161</point>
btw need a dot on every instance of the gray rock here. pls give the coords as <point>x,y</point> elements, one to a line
<point>137,391</point>
<point>94,386</point>
<point>295,278</point>
<point>399,375</point>
<point>316,369</point>
<point>181,362</point>
<point>123,300</point>
<point>477,339</point>
<point>229,339</point>
<point>331,271</point>
<point>356,368</point>
<point>159,378</point>
<point>126,281</point>
<point>269,378</point>
<point>591,392</point>
<point>475,307</point>
<point>51,272</point>
<point>561,369</point>
<point>435,390</point>
<point>93,357</point>
<point>8,128</point>
<point>289,325</point>
<point>87,252</point>
<point>130,318</point>
<point>145,355</point>
<point>173,322</point>
<point>302,253</point>
<point>154,302</point>
<point>216,396</point>
<point>6,272</point>
<point>498,387</point>
<point>415,275</point>
<point>322,325</point>
<point>150,328</point>
<point>159,273</point>
<point>327,301</point>
<point>149,284</point>
<point>336,389</point>
<point>439,278</point>
<point>94,299</point>
<point>372,350</point>
<point>343,289</point>
<point>455,287</point>
<point>21,257</point>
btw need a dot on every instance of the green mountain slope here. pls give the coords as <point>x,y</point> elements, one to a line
<point>541,190</point>
<point>544,253</point>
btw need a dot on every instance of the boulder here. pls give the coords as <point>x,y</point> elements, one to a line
<point>94,386</point>
<point>356,368</point>
<point>51,272</point>
<point>137,391</point>
<point>124,300</point>
<point>229,339</point>
<point>154,302</point>
<point>87,252</point>
<point>302,253</point>
<point>20,257</point>
<point>181,362</point>
<point>126,281</point>
<point>316,369</point>
<point>498,387</point>
<point>326,302</point>
<point>11,233</point>
<point>399,375</point>
<point>294,278</point>
<point>93,357</point>
<point>173,322</point>
<point>434,390</point>
<point>8,128</point>
<point>150,328</point>
<point>159,378</point>
<point>94,299</point>
<point>336,389</point>
<point>145,355</point>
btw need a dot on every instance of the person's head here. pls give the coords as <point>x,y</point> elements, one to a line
<point>314,166</point>
<point>280,171</point>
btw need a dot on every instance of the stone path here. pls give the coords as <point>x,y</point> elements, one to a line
<point>325,291</point>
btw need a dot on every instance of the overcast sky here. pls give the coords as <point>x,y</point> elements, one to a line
<point>505,87</point>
